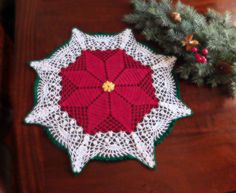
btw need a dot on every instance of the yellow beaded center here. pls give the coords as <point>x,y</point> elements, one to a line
<point>108,86</point>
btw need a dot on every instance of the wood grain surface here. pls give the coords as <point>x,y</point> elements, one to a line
<point>198,157</point>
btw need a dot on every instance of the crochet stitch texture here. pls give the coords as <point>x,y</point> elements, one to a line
<point>107,91</point>
<point>106,97</point>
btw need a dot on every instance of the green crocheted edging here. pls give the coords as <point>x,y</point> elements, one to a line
<point>102,158</point>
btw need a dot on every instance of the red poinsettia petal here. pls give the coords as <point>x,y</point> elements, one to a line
<point>104,55</point>
<point>121,111</point>
<point>81,97</point>
<point>97,111</point>
<point>135,95</point>
<point>81,79</point>
<point>132,76</point>
<point>95,65</point>
<point>115,65</point>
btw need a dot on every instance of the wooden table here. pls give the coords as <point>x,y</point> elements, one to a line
<point>198,157</point>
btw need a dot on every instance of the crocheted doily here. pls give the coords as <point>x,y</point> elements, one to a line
<point>106,97</point>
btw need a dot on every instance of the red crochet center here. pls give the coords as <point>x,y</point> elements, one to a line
<point>119,109</point>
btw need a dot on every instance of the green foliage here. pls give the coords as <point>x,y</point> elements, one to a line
<point>213,30</point>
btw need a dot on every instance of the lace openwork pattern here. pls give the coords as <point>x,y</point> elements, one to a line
<point>63,77</point>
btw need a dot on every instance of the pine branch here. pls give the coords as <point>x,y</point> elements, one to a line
<point>212,30</point>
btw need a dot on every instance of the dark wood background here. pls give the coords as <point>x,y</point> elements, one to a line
<point>198,157</point>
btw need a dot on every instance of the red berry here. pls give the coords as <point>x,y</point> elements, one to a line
<point>203,60</point>
<point>205,51</point>
<point>198,58</point>
<point>194,49</point>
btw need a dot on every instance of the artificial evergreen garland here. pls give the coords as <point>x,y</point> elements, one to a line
<point>205,44</point>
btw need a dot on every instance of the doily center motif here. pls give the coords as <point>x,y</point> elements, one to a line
<point>108,86</point>
<point>107,91</point>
